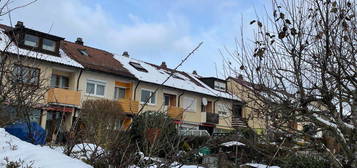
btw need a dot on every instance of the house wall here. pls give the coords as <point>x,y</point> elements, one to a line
<point>255,120</point>
<point>108,79</point>
<point>188,116</point>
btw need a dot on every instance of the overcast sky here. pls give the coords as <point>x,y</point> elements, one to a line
<point>150,30</point>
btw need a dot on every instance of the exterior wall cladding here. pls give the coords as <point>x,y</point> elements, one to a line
<point>92,73</point>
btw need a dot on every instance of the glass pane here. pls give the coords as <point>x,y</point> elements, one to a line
<point>31,40</point>
<point>153,98</point>
<point>49,45</point>
<point>166,100</point>
<point>90,88</point>
<point>144,95</point>
<point>119,93</point>
<point>64,82</point>
<point>53,81</point>
<point>100,90</point>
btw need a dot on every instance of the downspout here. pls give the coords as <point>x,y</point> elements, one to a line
<point>136,87</point>
<point>79,77</point>
<point>214,105</point>
<point>179,99</point>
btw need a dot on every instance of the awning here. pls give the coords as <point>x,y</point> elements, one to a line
<point>60,109</point>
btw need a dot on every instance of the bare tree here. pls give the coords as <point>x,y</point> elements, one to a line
<point>302,65</point>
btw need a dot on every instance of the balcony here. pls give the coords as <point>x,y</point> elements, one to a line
<point>175,112</point>
<point>129,106</point>
<point>212,118</point>
<point>64,96</point>
<point>207,117</point>
<point>238,122</point>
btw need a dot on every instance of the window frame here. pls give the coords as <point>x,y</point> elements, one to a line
<point>31,68</point>
<point>119,87</point>
<point>218,86</point>
<point>43,43</point>
<point>96,83</point>
<point>193,106</point>
<point>151,92</point>
<point>60,80</point>
<point>37,43</point>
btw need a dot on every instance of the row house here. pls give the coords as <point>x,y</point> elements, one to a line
<point>75,72</point>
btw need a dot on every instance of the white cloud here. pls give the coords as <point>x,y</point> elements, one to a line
<point>166,39</point>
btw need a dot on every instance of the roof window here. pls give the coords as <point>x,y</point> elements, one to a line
<point>83,52</point>
<point>138,67</point>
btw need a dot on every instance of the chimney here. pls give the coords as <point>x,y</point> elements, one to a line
<point>163,65</point>
<point>125,54</point>
<point>240,77</point>
<point>79,41</point>
<point>19,24</point>
<point>194,72</point>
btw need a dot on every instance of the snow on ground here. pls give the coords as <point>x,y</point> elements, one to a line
<point>257,165</point>
<point>233,143</point>
<point>82,151</point>
<point>15,149</point>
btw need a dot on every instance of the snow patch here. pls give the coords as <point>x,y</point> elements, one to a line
<point>15,149</point>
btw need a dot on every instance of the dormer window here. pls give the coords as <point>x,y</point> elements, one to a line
<point>31,40</point>
<point>221,86</point>
<point>34,40</point>
<point>49,45</point>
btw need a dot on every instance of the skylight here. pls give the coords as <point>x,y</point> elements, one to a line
<point>83,52</point>
<point>138,67</point>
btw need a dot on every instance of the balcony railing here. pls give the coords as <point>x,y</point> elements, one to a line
<point>212,118</point>
<point>64,96</point>
<point>175,112</point>
<point>238,122</point>
<point>129,106</point>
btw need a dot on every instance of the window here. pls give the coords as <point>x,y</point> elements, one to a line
<point>220,86</point>
<point>58,81</point>
<point>189,104</point>
<point>48,45</point>
<point>166,100</point>
<point>148,94</point>
<point>96,88</point>
<point>119,93</point>
<point>222,109</point>
<point>26,75</point>
<point>138,67</point>
<point>31,40</point>
<point>83,52</point>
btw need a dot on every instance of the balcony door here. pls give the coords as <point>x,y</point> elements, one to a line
<point>237,110</point>
<point>59,81</point>
<point>169,100</point>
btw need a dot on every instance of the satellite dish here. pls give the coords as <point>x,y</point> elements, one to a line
<point>204,101</point>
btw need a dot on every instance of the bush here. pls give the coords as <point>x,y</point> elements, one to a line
<point>303,161</point>
<point>156,134</point>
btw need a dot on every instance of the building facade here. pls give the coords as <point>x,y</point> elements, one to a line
<point>75,72</point>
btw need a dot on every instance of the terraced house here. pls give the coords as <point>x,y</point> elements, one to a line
<point>75,72</point>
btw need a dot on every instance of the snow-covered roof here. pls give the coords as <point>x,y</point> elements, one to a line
<point>232,143</point>
<point>6,46</point>
<point>180,80</point>
<point>15,149</point>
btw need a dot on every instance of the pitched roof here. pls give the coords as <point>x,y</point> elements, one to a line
<point>180,80</point>
<point>95,59</point>
<point>7,45</point>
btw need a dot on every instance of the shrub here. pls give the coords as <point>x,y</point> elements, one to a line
<point>156,134</point>
<point>303,161</point>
